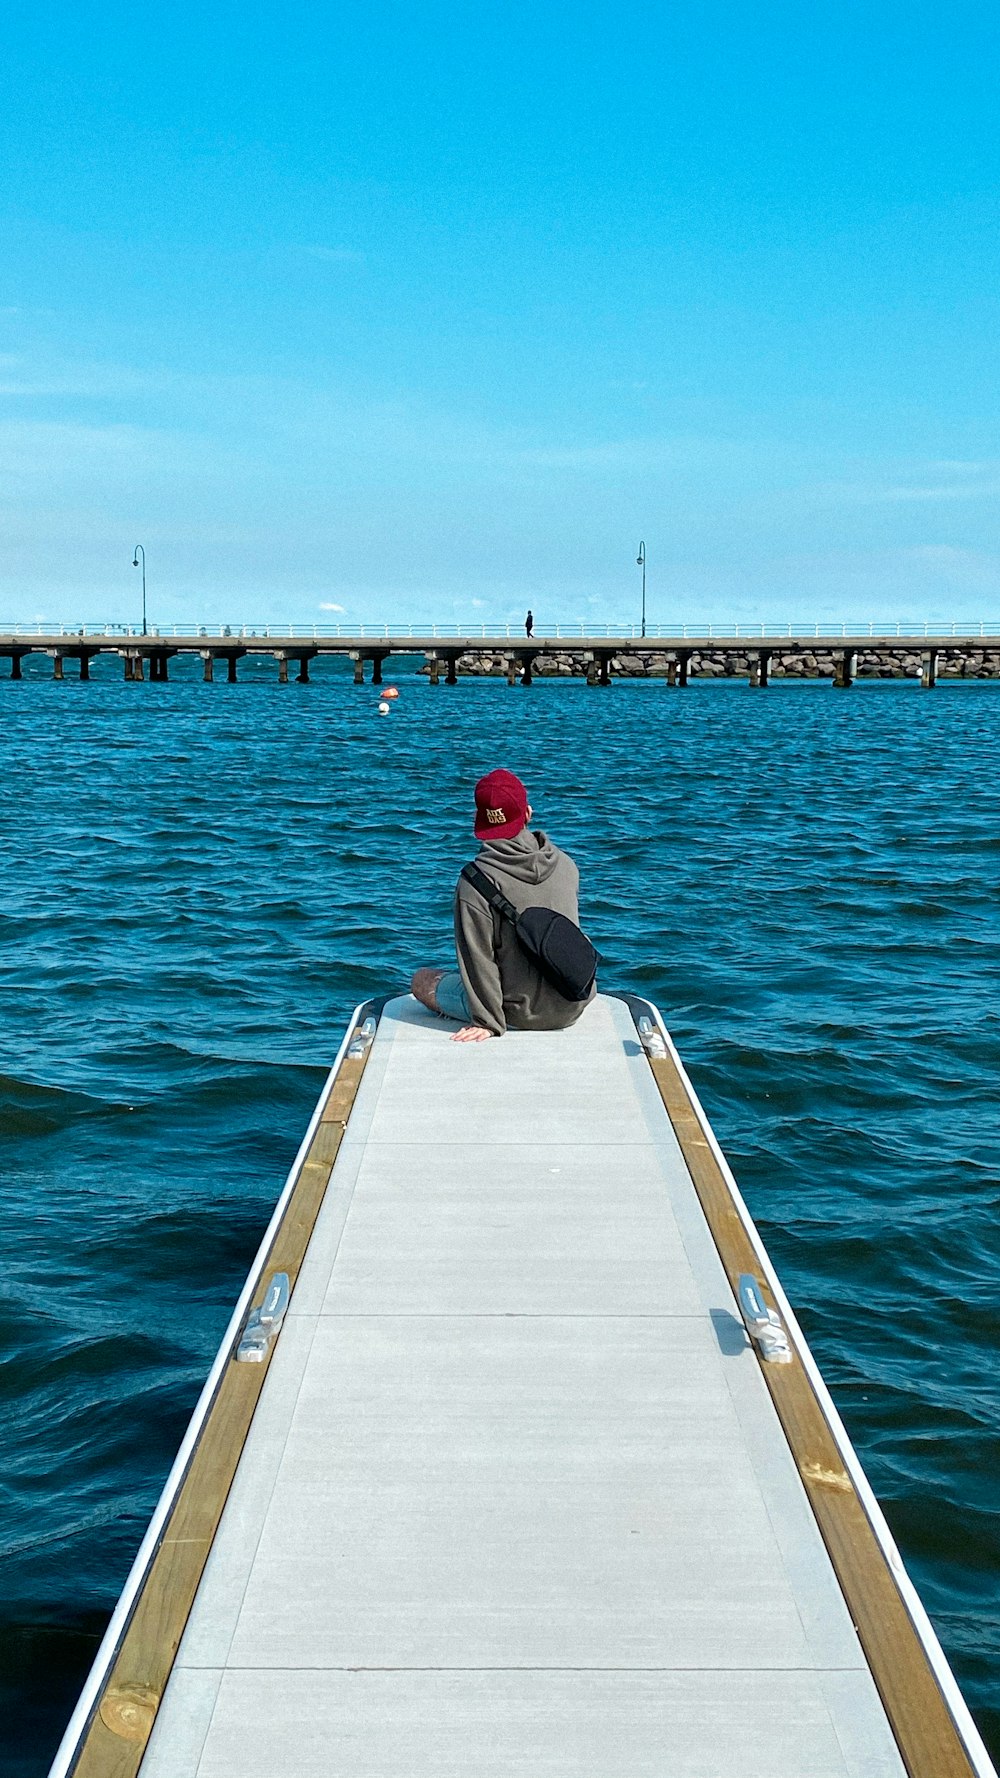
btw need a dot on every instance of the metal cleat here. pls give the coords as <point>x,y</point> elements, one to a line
<point>264,1323</point>
<point>361,1042</point>
<point>762,1324</point>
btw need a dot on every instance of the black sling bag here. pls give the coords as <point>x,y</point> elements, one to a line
<point>563,954</point>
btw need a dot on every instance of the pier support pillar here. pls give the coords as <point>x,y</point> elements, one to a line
<point>84,666</point>
<point>845,666</point>
<point>434,668</point>
<point>527,662</point>
<point>138,667</point>
<point>760,669</point>
<point>57,666</point>
<point>377,660</point>
<point>683,663</point>
<point>451,677</point>
<point>303,678</point>
<point>15,667</point>
<point>208,666</point>
<point>592,670</point>
<point>359,669</point>
<point>158,667</point>
<point>511,669</point>
<point>282,669</point>
<point>928,668</point>
<point>605,669</point>
<point>671,672</point>
<point>231,664</point>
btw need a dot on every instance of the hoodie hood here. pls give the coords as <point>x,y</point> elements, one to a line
<point>530,857</point>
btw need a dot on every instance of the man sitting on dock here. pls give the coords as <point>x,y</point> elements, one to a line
<point>496,987</point>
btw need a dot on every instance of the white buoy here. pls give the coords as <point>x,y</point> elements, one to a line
<point>383,709</point>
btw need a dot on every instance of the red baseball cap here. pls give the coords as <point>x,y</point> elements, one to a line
<point>501,806</point>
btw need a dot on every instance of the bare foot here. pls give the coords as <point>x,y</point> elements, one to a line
<point>471,1034</point>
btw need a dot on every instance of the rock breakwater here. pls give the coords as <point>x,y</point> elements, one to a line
<point>737,663</point>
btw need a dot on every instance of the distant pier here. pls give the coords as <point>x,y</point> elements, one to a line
<point>675,655</point>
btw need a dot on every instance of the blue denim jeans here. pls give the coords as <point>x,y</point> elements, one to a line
<point>450,996</point>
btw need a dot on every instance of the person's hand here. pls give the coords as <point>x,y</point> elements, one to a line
<point>471,1034</point>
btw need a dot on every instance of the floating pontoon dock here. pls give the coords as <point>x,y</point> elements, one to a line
<point>510,1492</point>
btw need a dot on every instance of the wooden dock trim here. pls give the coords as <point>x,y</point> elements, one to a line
<point>121,1719</point>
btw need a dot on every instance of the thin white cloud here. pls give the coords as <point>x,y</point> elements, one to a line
<point>926,482</point>
<point>625,453</point>
<point>979,490</point>
<point>247,487</point>
<point>337,255</point>
<point>959,466</point>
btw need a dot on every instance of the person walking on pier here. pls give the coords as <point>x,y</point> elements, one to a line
<point>497,986</point>
<point>529,625</point>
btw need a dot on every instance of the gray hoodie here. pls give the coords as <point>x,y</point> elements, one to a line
<point>503,986</point>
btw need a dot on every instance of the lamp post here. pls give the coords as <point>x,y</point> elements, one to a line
<point>139,551</point>
<point>640,562</point>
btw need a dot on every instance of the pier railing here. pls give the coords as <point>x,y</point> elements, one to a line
<point>569,632</point>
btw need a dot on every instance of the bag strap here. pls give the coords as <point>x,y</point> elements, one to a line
<point>488,889</point>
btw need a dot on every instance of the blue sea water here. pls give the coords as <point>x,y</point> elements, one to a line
<point>199,884</point>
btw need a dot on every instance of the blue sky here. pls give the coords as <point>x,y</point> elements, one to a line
<point>435,312</point>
